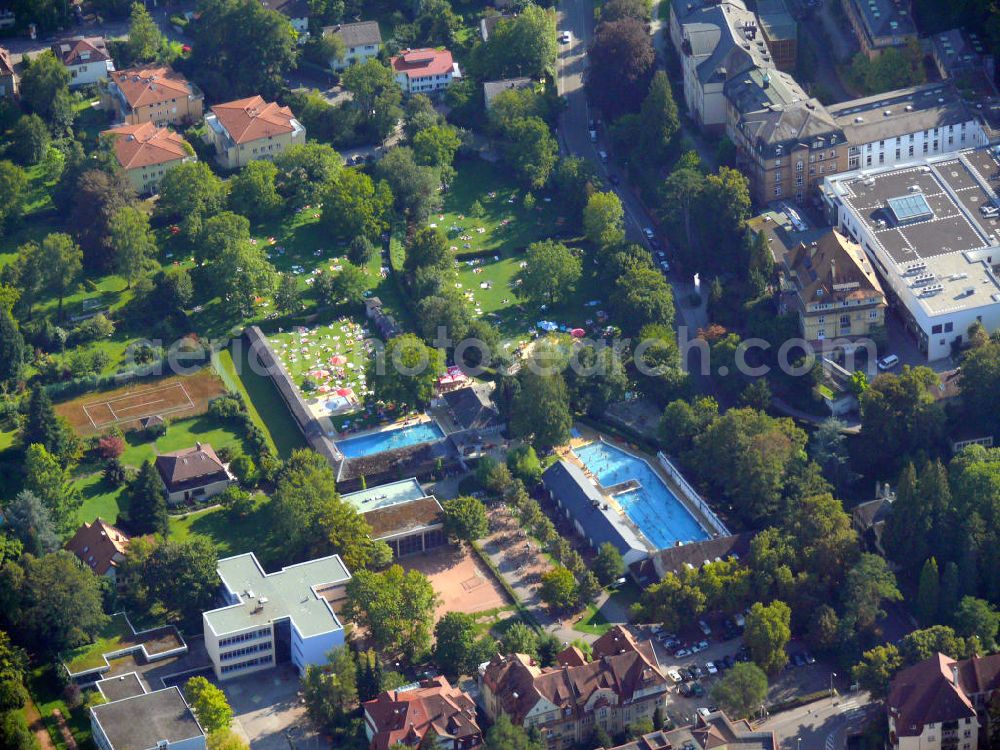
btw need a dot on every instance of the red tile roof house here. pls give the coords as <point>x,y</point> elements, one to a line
<point>941,702</point>
<point>248,129</point>
<point>193,474</point>
<point>155,93</point>
<point>624,683</point>
<point>100,546</point>
<point>8,78</point>
<point>404,716</point>
<point>86,59</point>
<point>425,70</point>
<point>145,152</point>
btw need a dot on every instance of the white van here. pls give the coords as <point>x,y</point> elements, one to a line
<point>888,362</point>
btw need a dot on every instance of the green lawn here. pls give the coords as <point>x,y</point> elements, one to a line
<point>592,622</point>
<point>266,408</point>
<point>115,635</point>
<point>507,230</point>
<point>231,536</point>
<point>100,499</point>
<point>45,689</point>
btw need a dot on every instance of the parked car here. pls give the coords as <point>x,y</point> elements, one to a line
<point>711,668</point>
<point>743,654</point>
<point>730,661</point>
<point>674,675</point>
<point>603,154</point>
<point>665,266</point>
<point>650,234</point>
<point>697,690</point>
<point>702,625</point>
<point>672,643</point>
<point>685,674</point>
<point>593,136</point>
<point>810,659</point>
<point>888,362</point>
<point>703,712</point>
<point>702,645</point>
<point>681,653</point>
<point>798,660</point>
<point>685,690</point>
<point>566,37</point>
<point>697,671</point>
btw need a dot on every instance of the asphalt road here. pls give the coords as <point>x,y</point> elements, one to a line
<point>823,725</point>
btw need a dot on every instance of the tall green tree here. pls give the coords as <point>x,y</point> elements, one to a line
<point>622,62</point>
<point>540,410</point>
<point>395,606</point>
<point>505,735</point>
<point>767,632</point>
<point>977,617</point>
<point>530,150</point>
<point>559,589</point>
<point>13,351</point>
<point>43,82</point>
<point>133,243</point>
<point>523,45</point>
<point>31,521</point>
<point>13,192</point>
<point>457,649</point>
<point>253,191</point>
<point>742,690</point>
<point>551,274</point>
<point>62,259</point>
<point>189,194</point>
<point>659,119</point>
<point>603,220</point>
<point>608,565</point>
<point>50,482</point>
<point>330,692</point>
<point>868,584</point>
<point>643,297</point>
<point>406,372</point>
<point>353,205</point>
<point>876,669</point>
<point>147,502</point>
<point>209,704</point>
<point>928,592</point>
<point>465,518</point>
<point>144,38</point>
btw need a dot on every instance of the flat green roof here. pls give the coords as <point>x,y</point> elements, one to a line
<point>289,592</point>
<point>385,495</point>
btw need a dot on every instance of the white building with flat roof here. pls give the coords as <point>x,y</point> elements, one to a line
<point>274,618</point>
<point>931,230</point>
<point>402,515</point>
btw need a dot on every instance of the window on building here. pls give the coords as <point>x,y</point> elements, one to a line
<point>873,315</point>
<point>949,327</point>
<point>936,329</point>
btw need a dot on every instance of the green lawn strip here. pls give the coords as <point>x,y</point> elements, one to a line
<point>7,439</point>
<point>46,691</point>
<point>116,635</point>
<point>100,499</point>
<point>181,434</point>
<point>592,622</point>
<point>223,364</point>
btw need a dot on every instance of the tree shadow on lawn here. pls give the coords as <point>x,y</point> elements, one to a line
<point>237,536</point>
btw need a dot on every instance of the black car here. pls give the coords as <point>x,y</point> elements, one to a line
<point>697,671</point>
<point>685,674</point>
<point>685,690</point>
<point>743,654</point>
<point>729,660</point>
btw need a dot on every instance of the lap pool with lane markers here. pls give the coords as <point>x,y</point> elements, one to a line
<point>660,516</point>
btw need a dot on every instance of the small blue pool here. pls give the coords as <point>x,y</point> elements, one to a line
<point>662,518</point>
<point>387,440</point>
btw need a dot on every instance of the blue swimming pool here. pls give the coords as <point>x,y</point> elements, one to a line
<point>660,516</point>
<point>387,440</point>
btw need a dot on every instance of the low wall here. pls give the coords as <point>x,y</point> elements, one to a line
<point>692,496</point>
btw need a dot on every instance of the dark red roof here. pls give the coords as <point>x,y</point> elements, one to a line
<point>405,716</point>
<point>927,692</point>
<point>423,62</point>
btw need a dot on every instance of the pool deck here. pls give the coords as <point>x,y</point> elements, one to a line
<point>408,421</point>
<point>589,435</point>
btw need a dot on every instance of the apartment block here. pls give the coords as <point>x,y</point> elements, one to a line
<point>248,129</point>
<point>781,32</point>
<point>156,94</point>
<point>275,618</point>
<point>880,24</point>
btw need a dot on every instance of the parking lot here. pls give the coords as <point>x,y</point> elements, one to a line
<point>793,680</point>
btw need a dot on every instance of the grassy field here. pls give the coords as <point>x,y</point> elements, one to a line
<point>91,656</point>
<point>44,687</point>
<point>507,228</point>
<point>231,536</point>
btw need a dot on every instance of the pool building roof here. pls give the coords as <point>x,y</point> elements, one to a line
<point>396,509</point>
<point>371,498</point>
<point>294,592</point>
<point>589,509</point>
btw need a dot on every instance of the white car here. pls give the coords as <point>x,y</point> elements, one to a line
<point>703,626</point>
<point>603,154</point>
<point>648,231</point>
<point>704,712</point>
<point>566,37</point>
<point>665,266</point>
<point>888,362</point>
<point>593,136</point>
<point>674,675</point>
<point>682,652</point>
<point>711,668</point>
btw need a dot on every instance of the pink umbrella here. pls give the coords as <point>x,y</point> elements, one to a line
<point>344,392</point>
<point>338,359</point>
<point>577,333</point>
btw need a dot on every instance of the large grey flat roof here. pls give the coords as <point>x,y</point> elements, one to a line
<point>291,592</point>
<point>896,113</point>
<point>384,495</point>
<point>120,686</point>
<point>142,721</point>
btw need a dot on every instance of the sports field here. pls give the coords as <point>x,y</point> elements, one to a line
<point>175,397</point>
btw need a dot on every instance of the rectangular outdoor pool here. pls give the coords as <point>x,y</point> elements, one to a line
<point>660,516</point>
<point>387,440</point>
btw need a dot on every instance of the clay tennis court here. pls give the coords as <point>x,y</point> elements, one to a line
<point>177,397</point>
<point>460,579</point>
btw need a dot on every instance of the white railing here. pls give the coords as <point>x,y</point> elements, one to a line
<point>692,496</point>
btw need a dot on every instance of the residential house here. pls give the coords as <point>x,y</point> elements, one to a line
<point>402,515</point>
<point>100,546</point>
<point>868,518</point>
<point>297,13</point>
<point>470,408</point>
<point>900,127</point>
<point>387,326</point>
<point>249,129</point>
<point>831,285</point>
<point>425,70</point>
<point>712,731</point>
<point>8,78</point>
<point>406,715</point>
<point>156,94</point>
<point>86,58</point>
<point>145,152</point>
<point>715,40</point>
<point>140,720</point>
<point>786,142</point>
<point>193,474</point>
<point>362,42</point>
<point>780,32</point>
<point>488,23</point>
<point>275,618</point>
<point>492,89</point>
<point>942,703</point>
<point>880,24</point>
<point>622,685</point>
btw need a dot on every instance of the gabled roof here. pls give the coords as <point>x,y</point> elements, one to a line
<point>97,544</point>
<point>471,408</point>
<point>253,118</point>
<point>6,63</point>
<point>419,63</point>
<point>153,84</point>
<point>145,145</point>
<point>927,692</point>
<point>405,517</point>
<point>288,8</point>
<point>695,554</point>
<point>361,34</point>
<point>195,466</point>
<point>81,50</point>
<point>832,269</point>
<point>406,715</point>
